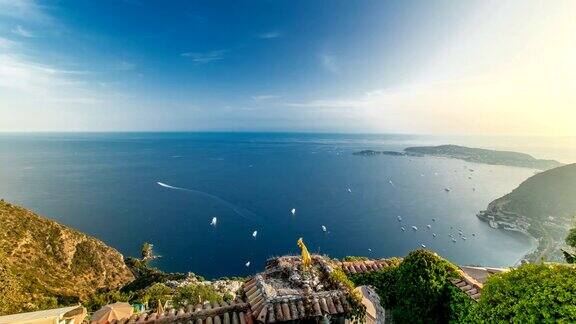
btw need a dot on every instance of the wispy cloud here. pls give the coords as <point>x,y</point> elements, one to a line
<point>28,77</point>
<point>270,35</point>
<point>206,57</point>
<point>6,43</point>
<point>329,63</point>
<point>264,97</point>
<point>368,99</point>
<point>42,82</point>
<point>21,31</point>
<point>26,10</point>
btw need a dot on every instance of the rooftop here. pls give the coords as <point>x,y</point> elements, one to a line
<point>283,292</point>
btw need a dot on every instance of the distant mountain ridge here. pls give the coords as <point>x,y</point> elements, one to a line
<point>476,155</point>
<point>40,259</point>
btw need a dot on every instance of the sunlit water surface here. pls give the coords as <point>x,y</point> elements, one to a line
<point>107,185</point>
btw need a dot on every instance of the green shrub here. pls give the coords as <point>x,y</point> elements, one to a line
<point>195,294</point>
<point>461,308</point>
<point>153,294</point>
<point>384,282</point>
<point>571,238</point>
<point>354,258</point>
<point>97,300</point>
<point>146,275</point>
<point>418,290</point>
<point>228,297</point>
<point>358,310</point>
<point>570,255</point>
<point>421,282</point>
<point>530,294</point>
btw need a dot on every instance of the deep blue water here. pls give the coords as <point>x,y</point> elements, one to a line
<point>106,185</point>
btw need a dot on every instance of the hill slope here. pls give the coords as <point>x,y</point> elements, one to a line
<point>544,205</point>
<point>484,156</point>
<point>41,259</point>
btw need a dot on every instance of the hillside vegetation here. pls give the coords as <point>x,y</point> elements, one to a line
<point>544,205</point>
<point>549,193</point>
<point>43,263</point>
<point>470,154</point>
<point>485,156</point>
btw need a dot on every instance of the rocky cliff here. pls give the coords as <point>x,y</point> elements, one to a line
<point>43,262</point>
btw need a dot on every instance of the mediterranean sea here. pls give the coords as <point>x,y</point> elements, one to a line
<point>165,188</point>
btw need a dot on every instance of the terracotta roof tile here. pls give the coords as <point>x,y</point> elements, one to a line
<point>261,307</point>
<point>363,266</point>
<point>214,313</point>
<point>468,285</point>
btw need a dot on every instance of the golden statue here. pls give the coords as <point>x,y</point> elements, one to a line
<point>306,259</point>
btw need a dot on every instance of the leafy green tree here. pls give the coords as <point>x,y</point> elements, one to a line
<point>418,290</point>
<point>153,294</point>
<point>147,275</point>
<point>570,256</point>
<point>571,238</point>
<point>532,293</point>
<point>97,300</point>
<point>384,281</point>
<point>421,283</point>
<point>195,294</point>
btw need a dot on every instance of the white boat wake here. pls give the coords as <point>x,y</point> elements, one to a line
<point>237,210</point>
<point>162,184</point>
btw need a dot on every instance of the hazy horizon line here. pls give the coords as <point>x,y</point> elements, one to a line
<point>276,132</point>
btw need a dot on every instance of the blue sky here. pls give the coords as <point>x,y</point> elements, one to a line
<point>349,66</point>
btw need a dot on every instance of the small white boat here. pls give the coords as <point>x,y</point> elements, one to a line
<point>369,250</point>
<point>447,189</point>
<point>254,234</point>
<point>399,218</point>
<point>349,190</point>
<point>414,228</point>
<point>214,221</point>
<point>433,219</point>
<point>422,245</point>
<point>247,264</point>
<point>429,226</point>
<point>402,228</point>
<point>434,234</point>
<point>293,211</point>
<point>454,240</point>
<point>323,228</point>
